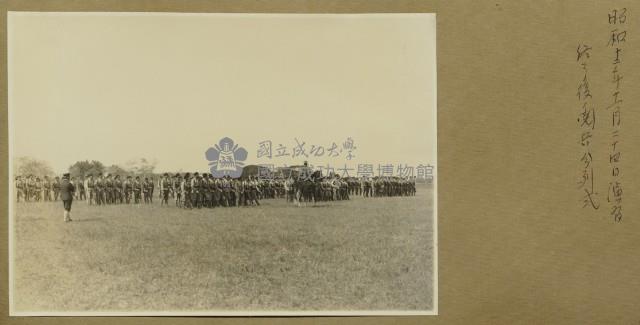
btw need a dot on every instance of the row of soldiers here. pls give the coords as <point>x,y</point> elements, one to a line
<point>336,188</point>
<point>195,190</point>
<point>34,188</point>
<point>205,191</point>
<point>112,189</point>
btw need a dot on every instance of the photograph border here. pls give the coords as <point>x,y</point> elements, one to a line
<point>223,313</point>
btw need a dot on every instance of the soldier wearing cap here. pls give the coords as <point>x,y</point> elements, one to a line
<point>177,189</point>
<point>137,189</point>
<point>90,186</point>
<point>127,186</point>
<point>81,189</point>
<point>56,188</point>
<point>46,185</point>
<point>226,191</point>
<point>117,190</point>
<point>253,191</point>
<point>207,188</point>
<point>195,186</point>
<point>217,192</point>
<point>147,190</point>
<point>99,189</point>
<point>66,194</point>
<point>165,189</point>
<point>202,188</point>
<point>186,190</point>
<point>30,187</point>
<point>152,186</point>
<point>238,189</point>
<point>20,188</point>
<point>38,189</point>
<point>108,189</point>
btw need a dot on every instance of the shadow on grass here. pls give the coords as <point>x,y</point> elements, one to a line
<point>88,220</point>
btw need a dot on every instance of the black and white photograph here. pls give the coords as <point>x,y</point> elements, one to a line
<point>219,164</point>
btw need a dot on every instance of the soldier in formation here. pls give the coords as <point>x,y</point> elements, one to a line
<point>56,188</point>
<point>195,190</point>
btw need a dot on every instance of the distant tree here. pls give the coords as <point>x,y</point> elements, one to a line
<point>31,166</point>
<point>117,170</point>
<point>141,166</point>
<point>83,168</point>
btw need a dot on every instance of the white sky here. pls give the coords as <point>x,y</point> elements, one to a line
<point>114,87</point>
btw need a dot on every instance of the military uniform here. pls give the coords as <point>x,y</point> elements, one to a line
<point>20,188</point>
<point>46,186</point>
<point>146,190</point>
<point>67,190</point>
<point>177,189</point>
<point>99,187</point>
<point>38,189</point>
<point>82,195</point>
<point>90,185</point>
<point>128,189</point>
<point>137,190</point>
<point>195,188</point>
<point>186,190</point>
<point>117,190</point>
<point>56,188</point>
<point>165,189</point>
<point>108,190</point>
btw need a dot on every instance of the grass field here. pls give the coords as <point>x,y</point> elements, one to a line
<point>362,254</point>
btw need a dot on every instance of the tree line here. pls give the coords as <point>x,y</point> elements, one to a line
<point>25,166</point>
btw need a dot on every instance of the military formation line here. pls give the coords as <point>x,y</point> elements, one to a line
<point>195,190</point>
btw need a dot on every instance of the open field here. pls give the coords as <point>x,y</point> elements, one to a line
<point>362,254</point>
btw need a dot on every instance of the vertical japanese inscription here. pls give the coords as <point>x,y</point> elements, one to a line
<point>586,123</point>
<point>609,130</point>
<point>617,38</point>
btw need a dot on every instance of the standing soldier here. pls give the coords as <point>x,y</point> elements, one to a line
<point>208,190</point>
<point>413,186</point>
<point>66,194</point>
<point>177,189</point>
<point>226,191</point>
<point>195,186</point>
<point>20,188</point>
<point>108,189</point>
<point>366,189</point>
<point>46,185</point>
<point>217,192</point>
<point>38,189</point>
<point>288,189</point>
<point>30,187</point>
<point>89,185</point>
<point>232,192</point>
<point>151,187</point>
<point>202,189</point>
<point>147,187</point>
<point>137,190</point>
<point>253,188</point>
<point>56,188</point>
<point>81,189</point>
<point>99,189</point>
<point>186,190</point>
<point>372,185</point>
<point>238,192</point>
<point>128,189</point>
<point>165,188</point>
<point>117,190</point>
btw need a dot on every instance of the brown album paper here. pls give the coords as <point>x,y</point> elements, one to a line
<point>520,240</point>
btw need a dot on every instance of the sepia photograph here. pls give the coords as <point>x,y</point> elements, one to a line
<point>217,164</point>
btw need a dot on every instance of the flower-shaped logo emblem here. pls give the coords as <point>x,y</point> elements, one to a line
<point>226,158</point>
